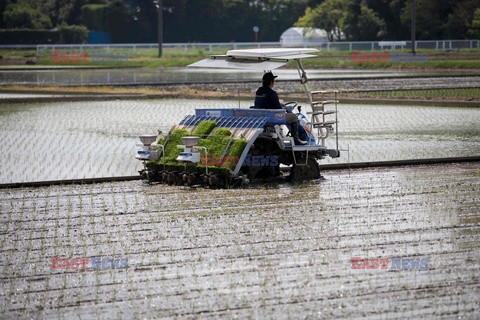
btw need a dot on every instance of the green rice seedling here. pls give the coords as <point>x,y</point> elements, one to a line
<point>217,141</point>
<point>204,128</point>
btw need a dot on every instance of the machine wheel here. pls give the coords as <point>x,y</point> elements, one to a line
<point>310,171</point>
<point>262,147</point>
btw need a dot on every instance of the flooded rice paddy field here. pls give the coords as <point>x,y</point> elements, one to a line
<point>389,79</point>
<point>350,84</point>
<point>68,140</point>
<point>282,252</point>
<point>121,76</point>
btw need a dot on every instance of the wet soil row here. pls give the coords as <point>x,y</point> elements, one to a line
<point>277,252</point>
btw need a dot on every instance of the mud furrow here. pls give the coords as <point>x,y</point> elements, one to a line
<point>279,253</point>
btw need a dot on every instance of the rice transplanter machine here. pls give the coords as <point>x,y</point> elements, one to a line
<point>233,146</point>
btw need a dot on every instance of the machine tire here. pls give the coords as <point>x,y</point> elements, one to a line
<point>262,147</point>
<point>300,173</point>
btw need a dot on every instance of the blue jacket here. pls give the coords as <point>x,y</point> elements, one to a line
<point>266,98</point>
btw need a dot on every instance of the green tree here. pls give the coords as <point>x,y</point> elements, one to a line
<point>328,16</point>
<point>273,17</point>
<point>69,11</point>
<point>389,11</point>
<point>460,19</point>
<point>192,20</point>
<point>430,17</point>
<point>350,20</point>
<point>118,21</point>
<point>372,27</point>
<point>474,31</point>
<point>362,23</point>
<point>229,20</point>
<point>73,33</point>
<point>93,16</point>
<point>19,16</point>
<point>314,3</point>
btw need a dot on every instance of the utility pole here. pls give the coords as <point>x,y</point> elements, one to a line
<point>413,27</point>
<point>159,5</point>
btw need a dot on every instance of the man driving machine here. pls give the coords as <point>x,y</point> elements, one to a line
<point>267,98</point>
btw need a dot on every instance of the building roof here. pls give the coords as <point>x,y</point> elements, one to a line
<point>305,33</point>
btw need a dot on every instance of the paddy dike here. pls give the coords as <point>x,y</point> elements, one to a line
<point>267,252</point>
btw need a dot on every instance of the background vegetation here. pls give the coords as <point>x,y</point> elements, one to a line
<point>233,20</point>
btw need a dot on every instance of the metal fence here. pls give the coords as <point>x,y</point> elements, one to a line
<point>383,45</point>
<point>135,47</point>
<point>193,47</point>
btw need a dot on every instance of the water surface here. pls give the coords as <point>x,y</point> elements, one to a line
<point>65,140</point>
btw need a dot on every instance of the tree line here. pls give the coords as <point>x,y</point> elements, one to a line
<point>367,20</point>
<point>233,20</point>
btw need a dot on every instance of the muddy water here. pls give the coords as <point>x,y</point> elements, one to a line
<point>53,141</point>
<point>278,253</point>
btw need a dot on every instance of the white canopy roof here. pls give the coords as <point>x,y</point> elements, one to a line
<point>259,59</point>
<point>272,53</point>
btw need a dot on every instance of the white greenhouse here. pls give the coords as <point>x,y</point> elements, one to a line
<point>294,37</point>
